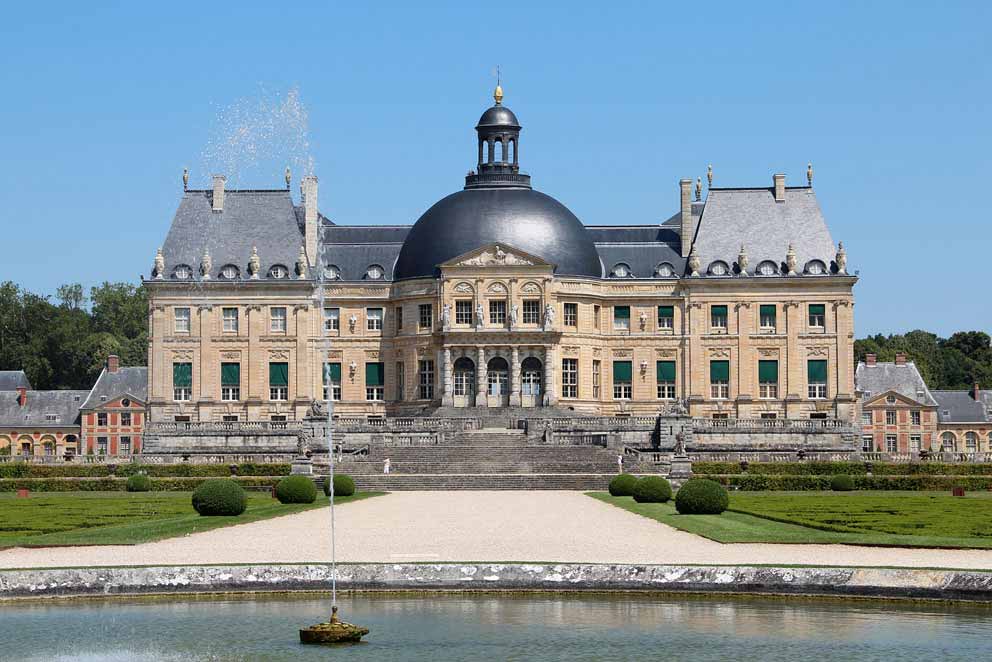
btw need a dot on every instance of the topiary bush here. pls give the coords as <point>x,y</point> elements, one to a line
<point>700,496</point>
<point>344,486</point>
<point>219,496</point>
<point>652,489</point>
<point>623,485</point>
<point>842,483</point>
<point>139,483</point>
<point>296,489</point>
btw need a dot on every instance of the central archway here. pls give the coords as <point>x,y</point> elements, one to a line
<point>464,382</point>
<point>531,371</point>
<point>498,378</point>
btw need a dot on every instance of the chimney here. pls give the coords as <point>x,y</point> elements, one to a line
<point>975,392</point>
<point>309,192</point>
<point>219,181</point>
<point>870,359</point>
<point>688,229</point>
<point>779,187</point>
<point>113,363</point>
<point>22,396</point>
<point>900,358</point>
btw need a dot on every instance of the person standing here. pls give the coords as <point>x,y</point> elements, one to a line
<point>385,466</point>
<point>620,462</point>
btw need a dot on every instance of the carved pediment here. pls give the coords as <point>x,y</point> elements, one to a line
<point>496,255</point>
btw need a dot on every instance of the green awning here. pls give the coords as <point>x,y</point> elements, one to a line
<point>334,370</point>
<point>666,311</point>
<point>718,311</point>
<point>817,309</point>
<point>666,371</point>
<point>621,312</point>
<point>182,375</point>
<point>230,374</point>
<point>622,372</point>
<point>816,372</point>
<point>278,374</point>
<point>768,372</point>
<point>767,310</point>
<point>719,371</point>
<point>375,375</point>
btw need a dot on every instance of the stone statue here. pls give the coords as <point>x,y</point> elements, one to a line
<point>680,408</point>
<point>680,444</point>
<point>514,312</point>
<point>699,189</point>
<point>694,262</point>
<point>549,316</point>
<point>352,322</point>
<point>301,264</point>
<point>185,179</point>
<point>254,264</point>
<point>159,264</point>
<point>480,316</point>
<point>643,319</point>
<point>809,174</point>
<point>317,410</point>
<point>446,317</point>
<point>206,264</point>
<point>742,261</point>
<point>841,258</point>
<point>709,176</point>
<point>790,261</point>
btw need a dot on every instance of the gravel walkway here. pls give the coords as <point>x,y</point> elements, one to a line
<point>476,526</point>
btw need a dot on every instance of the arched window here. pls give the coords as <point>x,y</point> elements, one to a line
<point>531,370</point>
<point>766,268</point>
<point>498,376</point>
<point>970,442</point>
<point>499,151</point>
<point>719,268</point>
<point>620,270</point>
<point>512,156</point>
<point>664,270</point>
<point>816,268</point>
<point>948,442</point>
<point>464,376</point>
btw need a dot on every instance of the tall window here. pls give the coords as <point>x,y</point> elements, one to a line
<point>621,318</point>
<point>817,316</point>
<point>890,417</point>
<point>816,379</point>
<point>101,445</point>
<point>182,320</point>
<point>230,381</point>
<point>497,312</point>
<point>767,379</point>
<point>665,375</point>
<point>463,312</point>
<point>914,417</point>
<point>718,318</point>
<point>373,319</point>
<point>719,380</point>
<point>126,419</point>
<point>279,381</point>
<point>595,317</point>
<point>332,319</point>
<point>532,311</point>
<point>230,320</point>
<point>332,381</point>
<point>277,319</point>
<point>571,314</point>
<point>666,318</point>
<point>425,380</point>
<point>101,419</point>
<point>766,317</point>
<point>531,370</point>
<point>399,318</point>
<point>400,381</point>
<point>425,316</point>
<point>375,382</point>
<point>867,445</point>
<point>623,380</point>
<point>569,377</point>
<point>124,446</point>
<point>182,381</point>
<point>597,377</point>
<point>866,418</point>
<point>891,443</point>
<point>970,442</point>
<point>914,443</point>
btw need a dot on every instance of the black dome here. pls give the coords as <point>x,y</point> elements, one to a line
<point>519,217</point>
<point>498,115</point>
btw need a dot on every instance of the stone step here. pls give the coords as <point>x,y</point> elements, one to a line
<point>480,467</point>
<point>402,482</point>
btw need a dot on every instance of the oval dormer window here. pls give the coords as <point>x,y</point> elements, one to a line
<point>664,270</point>
<point>278,271</point>
<point>620,270</point>
<point>229,272</point>
<point>816,268</point>
<point>374,272</point>
<point>767,268</point>
<point>183,272</point>
<point>719,268</point>
<point>331,272</point>
<point>125,402</point>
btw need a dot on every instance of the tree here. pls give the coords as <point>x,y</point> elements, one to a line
<point>71,296</point>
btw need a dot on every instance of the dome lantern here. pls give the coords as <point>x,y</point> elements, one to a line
<point>499,146</point>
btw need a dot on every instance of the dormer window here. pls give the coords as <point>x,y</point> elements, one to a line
<point>620,270</point>
<point>719,268</point>
<point>229,272</point>
<point>331,272</point>
<point>374,272</point>
<point>182,272</point>
<point>278,271</point>
<point>816,268</point>
<point>767,268</point>
<point>664,270</point>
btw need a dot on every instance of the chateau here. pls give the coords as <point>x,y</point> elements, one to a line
<point>739,305</point>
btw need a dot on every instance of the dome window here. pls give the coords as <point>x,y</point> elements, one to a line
<point>719,268</point>
<point>229,272</point>
<point>816,268</point>
<point>620,270</point>
<point>767,268</point>
<point>278,271</point>
<point>332,272</point>
<point>182,272</point>
<point>664,270</point>
<point>374,272</point>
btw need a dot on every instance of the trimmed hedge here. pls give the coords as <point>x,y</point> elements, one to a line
<point>344,485</point>
<point>296,489</point>
<point>841,483</point>
<point>849,468</point>
<point>139,483</point>
<point>219,496</point>
<point>699,496</point>
<point>623,485</point>
<point>652,489</point>
<point>759,482</point>
<point>184,470</point>
<point>120,484</point>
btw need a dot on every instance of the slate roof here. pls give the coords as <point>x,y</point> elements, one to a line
<point>13,379</point>
<point>903,379</point>
<point>750,216</point>
<point>132,381</point>
<point>959,407</point>
<point>64,405</point>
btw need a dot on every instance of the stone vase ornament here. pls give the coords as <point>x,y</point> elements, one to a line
<point>841,258</point>
<point>790,261</point>
<point>694,262</point>
<point>206,265</point>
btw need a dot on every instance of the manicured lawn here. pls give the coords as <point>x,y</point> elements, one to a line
<point>902,519</point>
<point>121,518</point>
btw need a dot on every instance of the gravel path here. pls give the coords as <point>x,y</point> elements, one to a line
<point>476,526</point>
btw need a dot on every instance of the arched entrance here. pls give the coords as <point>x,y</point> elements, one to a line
<point>71,448</point>
<point>530,382</point>
<point>948,442</point>
<point>498,382</point>
<point>464,382</point>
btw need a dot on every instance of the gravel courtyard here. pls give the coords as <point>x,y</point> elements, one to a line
<point>476,526</point>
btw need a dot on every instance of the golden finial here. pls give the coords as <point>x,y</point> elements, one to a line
<point>498,92</point>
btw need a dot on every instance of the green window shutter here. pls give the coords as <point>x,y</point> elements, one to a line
<point>182,374</point>
<point>334,369</point>
<point>718,311</point>
<point>666,311</point>
<point>621,312</point>
<point>719,371</point>
<point>817,309</point>
<point>374,374</point>
<point>666,371</point>
<point>816,372</point>
<point>768,372</point>
<point>278,374</point>
<point>767,310</point>
<point>622,372</point>
<point>230,374</point>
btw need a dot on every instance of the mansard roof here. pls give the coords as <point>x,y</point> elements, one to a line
<point>959,407</point>
<point>903,379</point>
<point>131,382</point>
<point>13,379</point>
<point>62,405</point>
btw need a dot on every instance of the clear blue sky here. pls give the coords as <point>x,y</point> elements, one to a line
<point>103,106</point>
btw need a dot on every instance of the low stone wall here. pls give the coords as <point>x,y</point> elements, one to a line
<point>867,582</point>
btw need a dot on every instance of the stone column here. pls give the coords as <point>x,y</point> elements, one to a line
<point>446,381</point>
<point>550,398</point>
<point>514,377</point>
<point>481,390</point>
